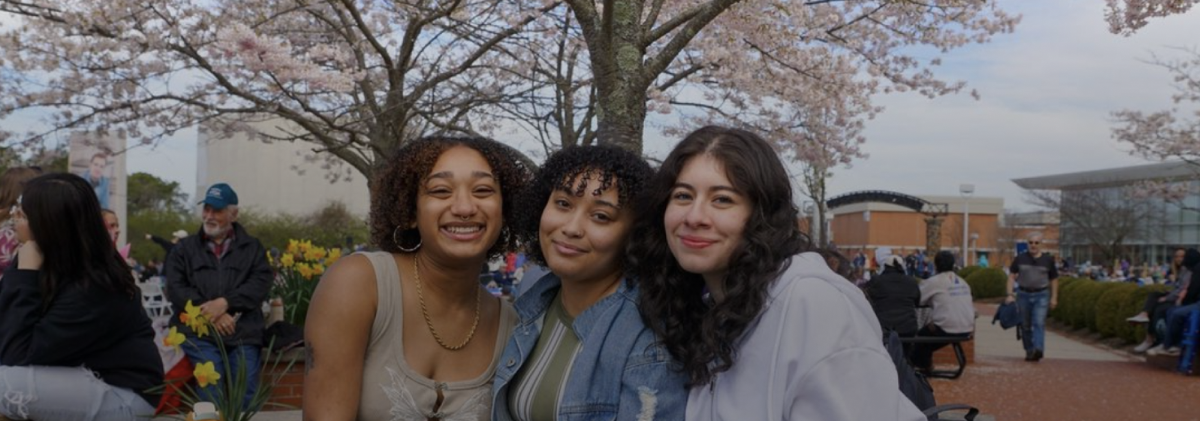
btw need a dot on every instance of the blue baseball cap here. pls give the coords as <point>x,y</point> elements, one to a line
<point>219,196</point>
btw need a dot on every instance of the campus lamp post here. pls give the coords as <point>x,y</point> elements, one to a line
<point>966,190</point>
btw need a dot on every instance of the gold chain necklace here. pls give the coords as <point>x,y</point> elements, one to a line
<point>429,323</point>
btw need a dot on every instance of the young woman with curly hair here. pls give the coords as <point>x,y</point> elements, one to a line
<point>408,332</point>
<point>764,329</point>
<point>580,350</point>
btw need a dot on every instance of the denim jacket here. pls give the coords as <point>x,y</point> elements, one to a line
<point>622,372</point>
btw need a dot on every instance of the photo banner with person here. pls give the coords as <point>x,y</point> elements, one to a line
<point>101,161</point>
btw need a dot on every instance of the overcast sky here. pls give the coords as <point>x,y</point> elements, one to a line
<point>1047,94</point>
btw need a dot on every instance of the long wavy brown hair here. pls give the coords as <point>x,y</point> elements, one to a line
<point>700,334</point>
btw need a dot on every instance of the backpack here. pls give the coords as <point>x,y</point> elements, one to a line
<point>913,385</point>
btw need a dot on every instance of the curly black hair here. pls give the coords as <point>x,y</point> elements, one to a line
<point>394,200</point>
<point>600,166</point>
<point>671,302</point>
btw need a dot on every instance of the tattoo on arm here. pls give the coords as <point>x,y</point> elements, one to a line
<point>308,357</point>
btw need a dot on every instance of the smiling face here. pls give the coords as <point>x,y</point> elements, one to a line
<point>459,206</point>
<point>219,222</point>
<point>583,237</point>
<point>705,218</point>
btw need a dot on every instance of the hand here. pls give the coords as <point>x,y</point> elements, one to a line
<point>1053,302</point>
<point>147,236</point>
<point>225,324</point>
<point>29,256</point>
<point>1009,299</point>
<point>214,309</point>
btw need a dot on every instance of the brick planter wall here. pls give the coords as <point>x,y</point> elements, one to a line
<point>289,381</point>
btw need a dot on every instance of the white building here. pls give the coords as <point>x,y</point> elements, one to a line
<point>273,177</point>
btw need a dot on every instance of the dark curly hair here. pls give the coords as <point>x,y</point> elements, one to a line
<point>394,202</point>
<point>600,166</point>
<point>671,302</point>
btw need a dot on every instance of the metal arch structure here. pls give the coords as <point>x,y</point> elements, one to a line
<point>934,212</point>
<point>912,202</point>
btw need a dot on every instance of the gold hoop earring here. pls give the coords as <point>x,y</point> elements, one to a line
<point>396,239</point>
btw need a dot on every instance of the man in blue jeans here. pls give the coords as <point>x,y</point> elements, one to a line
<point>224,271</point>
<point>1036,292</point>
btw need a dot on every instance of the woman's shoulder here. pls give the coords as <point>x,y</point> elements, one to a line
<point>809,293</point>
<point>351,277</point>
<point>808,277</point>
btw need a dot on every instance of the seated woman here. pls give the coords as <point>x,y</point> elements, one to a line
<point>74,340</point>
<point>1158,304</point>
<point>764,330</point>
<point>580,350</point>
<point>390,334</point>
<point>952,313</point>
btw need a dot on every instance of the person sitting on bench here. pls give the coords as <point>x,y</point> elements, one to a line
<point>952,314</point>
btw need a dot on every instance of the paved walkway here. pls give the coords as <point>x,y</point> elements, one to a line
<point>1075,381</point>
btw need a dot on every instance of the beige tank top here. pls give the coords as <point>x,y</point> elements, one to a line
<point>392,391</point>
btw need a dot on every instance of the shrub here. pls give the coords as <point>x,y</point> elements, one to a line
<point>160,223</point>
<point>987,283</point>
<point>1110,316</point>
<point>1089,301</point>
<point>967,271</point>
<point>1065,288</point>
<point>330,226</point>
<point>1075,314</point>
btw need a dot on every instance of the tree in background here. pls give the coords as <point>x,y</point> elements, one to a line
<point>150,193</point>
<point>1125,17</point>
<point>1168,134</point>
<point>1102,220</point>
<point>355,79</point>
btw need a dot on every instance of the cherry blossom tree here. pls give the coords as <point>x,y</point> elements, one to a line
<point>1167,134</point>
<point>1125,17</point>
<point>757,63</point>
<point>354,78</point>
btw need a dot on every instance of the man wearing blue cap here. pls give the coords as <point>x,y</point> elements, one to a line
<point>224,271</point>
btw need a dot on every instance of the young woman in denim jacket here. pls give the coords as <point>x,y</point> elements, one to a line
<point>763,331</point>
<point>580,350</point>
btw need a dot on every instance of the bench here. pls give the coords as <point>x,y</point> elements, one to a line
<point>955,342</point>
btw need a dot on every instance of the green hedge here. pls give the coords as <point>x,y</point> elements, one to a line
<point>986,282</point>
<point>1102,307</point>
<point>967,271</point>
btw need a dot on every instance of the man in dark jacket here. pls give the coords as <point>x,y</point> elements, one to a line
<point>895,296</point>
<point>224,271</point>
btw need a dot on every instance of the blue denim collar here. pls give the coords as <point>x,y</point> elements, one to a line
<point>532,305</point>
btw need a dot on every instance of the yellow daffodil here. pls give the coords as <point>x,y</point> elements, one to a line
<point>334,254</point>
<point>206,374</point>
<point>318,269</point>
<point>194,319</point>
<point>293,247</point>
<point>174,338</point>
<point>190,312</point>
<point>270,260</point>
<point>305,270</point>
<point>287,261</point>
<point>314,254</point>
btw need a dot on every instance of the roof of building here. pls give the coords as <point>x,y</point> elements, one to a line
<point>1111,176</point>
